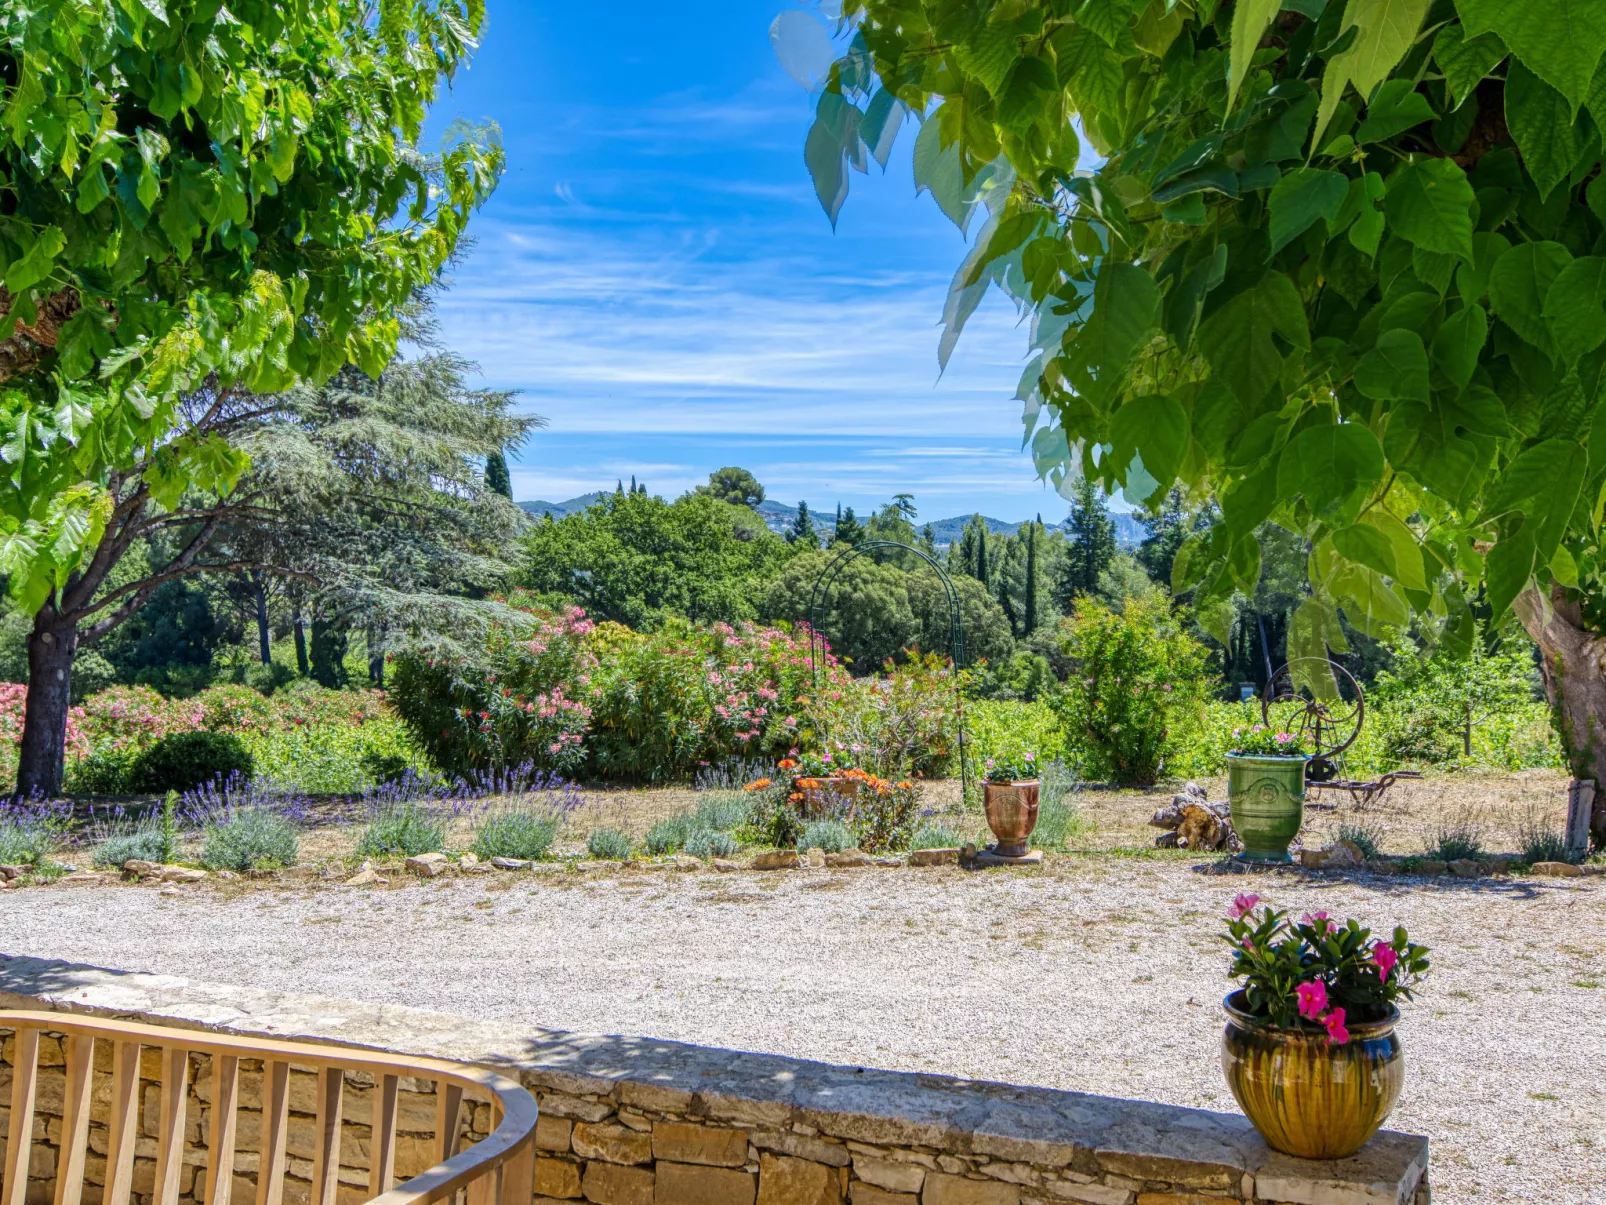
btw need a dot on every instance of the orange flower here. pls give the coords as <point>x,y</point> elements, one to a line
<point>757,785</point>
<point>786,763</point>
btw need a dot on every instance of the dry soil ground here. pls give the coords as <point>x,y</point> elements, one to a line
<point>1099,972</point>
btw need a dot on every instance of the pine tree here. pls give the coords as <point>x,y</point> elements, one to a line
<point>1091,543</point>
<point>848,528</point>
<point>1031,577</point>
<point>928,541</point>
<point>803,531</point>
<point>496,475</point>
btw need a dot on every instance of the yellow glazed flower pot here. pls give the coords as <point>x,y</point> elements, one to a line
<point>1305,1097</point>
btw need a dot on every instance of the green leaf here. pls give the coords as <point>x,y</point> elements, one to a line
<point>1189,565</point>
<point>1542,123</point>
<point>1396,369</point>
<point>1466,61</point>
<point>1249,21</point>
<point>1311,631</point>
<point>1089,70</point>
<point>1429,204</point>
<point>1126,313</point>
<point>1248,502</point>
<point>1544,483</point>
<point>1300,198</point>
<point>1458,344</point>
<point>38,261</point>
<point>1335,468</point>
<point>1237,339</point>
<point>937,169</point>
<point>1385,30</point>
<point>1564,568</point>
<point>1448,445</point>
<point>1508,568</point>
<point>1472,280</point>
<point>1243,563</point>
<point>1407,551</point>
<point>1022,102</point>
<point>1154,429</point>
<point>1396,108</point>
<point>1519,282</point>
<point>1575,307</point>
<point>1366,545</point>
<point>1561,40</point>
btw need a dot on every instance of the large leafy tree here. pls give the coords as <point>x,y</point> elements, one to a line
<point>194,199</point>
<point>1334,263</point>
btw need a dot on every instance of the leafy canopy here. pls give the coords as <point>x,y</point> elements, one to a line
<point>1340,264</point>
<point>190,192</point>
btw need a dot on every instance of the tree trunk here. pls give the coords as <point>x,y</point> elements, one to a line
<point>300,625</point>
<point>1573,665</point>
<point>264,637</point>
<point>376,656</point>
<point>42,757</point>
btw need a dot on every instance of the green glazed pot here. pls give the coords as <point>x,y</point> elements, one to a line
<point>1268,803</point>
<point>1305,1097</point>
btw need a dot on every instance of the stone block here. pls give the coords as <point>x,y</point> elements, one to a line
<point>943,1189</point>
<point>848,859</point>
<point>894,1177</point>
<point>1466,868</point>
<point>182,874</point>
<point>817,1150</point>
<point>787,1181</point>
<point>688,1184</point>
<point>653,1096</point>
<point>510,863</point>
<point>1386,1171</point>
<point>1181,1198</point>
<point>611,1143</point>
<point>934,857</point>
<point>557,1178</point>
<point>1432,866</point>
<point>552,1133</point>
<point>577,1107</point>
<point>1558,870</point>
<point>683,1142</point>
<point>860,1193</point>
<point>428,866</point>
<point>1183,1173</point>
<point>777,859</point>
<point>616,1184</point>
<point>1091,1194</point>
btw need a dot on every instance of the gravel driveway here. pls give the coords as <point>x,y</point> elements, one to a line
<point>1096,974</point>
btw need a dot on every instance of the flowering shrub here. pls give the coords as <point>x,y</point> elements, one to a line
<point>519,700</point>
<point>1137,689</point>
<point>1261,741</point>
<point>667,702</point>
<point>905,722</point>
<point>1318,974</point>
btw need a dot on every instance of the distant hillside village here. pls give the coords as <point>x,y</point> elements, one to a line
<point>781,518</point>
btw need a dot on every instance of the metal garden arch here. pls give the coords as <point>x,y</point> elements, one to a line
<point>956,626</point>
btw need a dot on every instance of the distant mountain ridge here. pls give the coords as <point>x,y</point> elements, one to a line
<point>779,517</point>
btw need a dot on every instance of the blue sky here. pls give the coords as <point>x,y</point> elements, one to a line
<point>657,278</point>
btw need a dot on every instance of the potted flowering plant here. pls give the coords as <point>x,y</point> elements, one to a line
<point>1310,1050</point>
<point>1266,790</point>
<point>1009,797</point>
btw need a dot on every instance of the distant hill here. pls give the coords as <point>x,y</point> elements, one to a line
<point>779,517</point>
<point>558,509</point>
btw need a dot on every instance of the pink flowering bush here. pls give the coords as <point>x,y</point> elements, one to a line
<point>1316,973</point>
<point>522,699</point>
<point>13,702</point>
<point>665,703</point>
<point>1261,741</point>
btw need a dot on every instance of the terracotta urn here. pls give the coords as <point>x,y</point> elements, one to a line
<point>1012,815</point>
<point>1305,1097</point>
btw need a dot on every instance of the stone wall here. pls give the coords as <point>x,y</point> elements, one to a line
<point>633,1121</point>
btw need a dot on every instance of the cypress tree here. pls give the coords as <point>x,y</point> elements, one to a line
<point>496,475</point>
<point>981,549</point>
<point>1031,578</point>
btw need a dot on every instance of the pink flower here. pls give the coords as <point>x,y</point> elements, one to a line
<point>1313,999</point>
<point>1318,921</point>
<point>1385,958</point>
<point>1248,945</point>
<point>1337,1035</point>
<point>1242,905</point>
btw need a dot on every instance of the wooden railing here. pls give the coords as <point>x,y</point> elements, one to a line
<point>499,1169</point>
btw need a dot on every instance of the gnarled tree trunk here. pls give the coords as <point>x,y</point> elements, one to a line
<point>1573,665</point>
<point>43,756</point>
